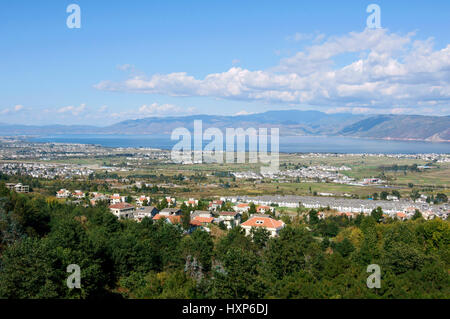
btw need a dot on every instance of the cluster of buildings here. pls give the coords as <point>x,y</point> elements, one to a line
<point>431,157</point>
<point>44,170</point>
<point>319,173</point>
<point>265,206</point>
<point>64,193</point>
<point>17,148</point>
<point>18,188</point>
<point>347,205</point>
<point>198,219</point>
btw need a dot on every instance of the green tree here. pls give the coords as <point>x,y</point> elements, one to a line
<point>239,276</point>
<point>260,236</point>
<point>162,204</point>
<point>345,247</point>
<point>252,209</point>
<point>414,195</point>
<point>286,254</point>
<point>396,193</point>
<point>417,215</point>
<point>186,219</point>
<point>313,217</point>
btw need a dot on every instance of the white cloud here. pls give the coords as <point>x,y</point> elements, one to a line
<point>15,109</point>
<point>159,109</point>
<point>314,37</point>
<point>383,70</point>
<point>74,110</point>
<point>243,112</point>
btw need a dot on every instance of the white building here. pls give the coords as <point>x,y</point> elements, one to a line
<point>122,210</point>
<point>272,225</point>
<point>63,193</point>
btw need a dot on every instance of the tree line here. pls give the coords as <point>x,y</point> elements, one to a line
<point>311,258</point>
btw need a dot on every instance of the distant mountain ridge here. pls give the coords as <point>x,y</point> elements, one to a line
<point>290,122</point>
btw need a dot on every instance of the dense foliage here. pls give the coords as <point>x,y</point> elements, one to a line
<point>312,258</point>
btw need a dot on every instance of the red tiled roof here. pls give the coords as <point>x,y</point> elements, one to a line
<point>243,205</point>
<point>263,222</point>
<point>121,206</point>
<point>196,223</point>
<point>203,219</point>
<point>173,219</point>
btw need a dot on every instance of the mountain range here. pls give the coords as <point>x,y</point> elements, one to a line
<point>290,122</point>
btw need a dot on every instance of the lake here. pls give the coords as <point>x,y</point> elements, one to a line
<point>288,144</point>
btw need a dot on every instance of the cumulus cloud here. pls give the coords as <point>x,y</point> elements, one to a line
<point>159,109</point>
<point>298,36</point>
<point>15,109</point>
<point>74,110</point>
<point>384,69</point>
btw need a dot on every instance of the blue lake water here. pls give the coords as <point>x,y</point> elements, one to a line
<point>288,144</point>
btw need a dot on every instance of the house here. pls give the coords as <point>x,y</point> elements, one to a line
<point>171,219</point>
<point>116,199</point>
<point>171,201</point>
<point>242,208</point>
<point>392,197</point>
<point>147,211</point>
<point>203,221</point>
<point>401,216</point>
<point>260,221</point>
<point>422,199</point>
<point>347,214</point>
<point>215,205</point>
<point>191,202</point>
<point>99,198</point>
<point>122,210</point>
<point>63,193</point>
<point>201,213</point>
<point>141,200</point>
<point>78,194</point>
<point>170,212</point>
<point>230,219</point>
<point>18,188</point>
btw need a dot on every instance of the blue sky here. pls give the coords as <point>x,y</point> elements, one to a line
<point>134,59</point>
